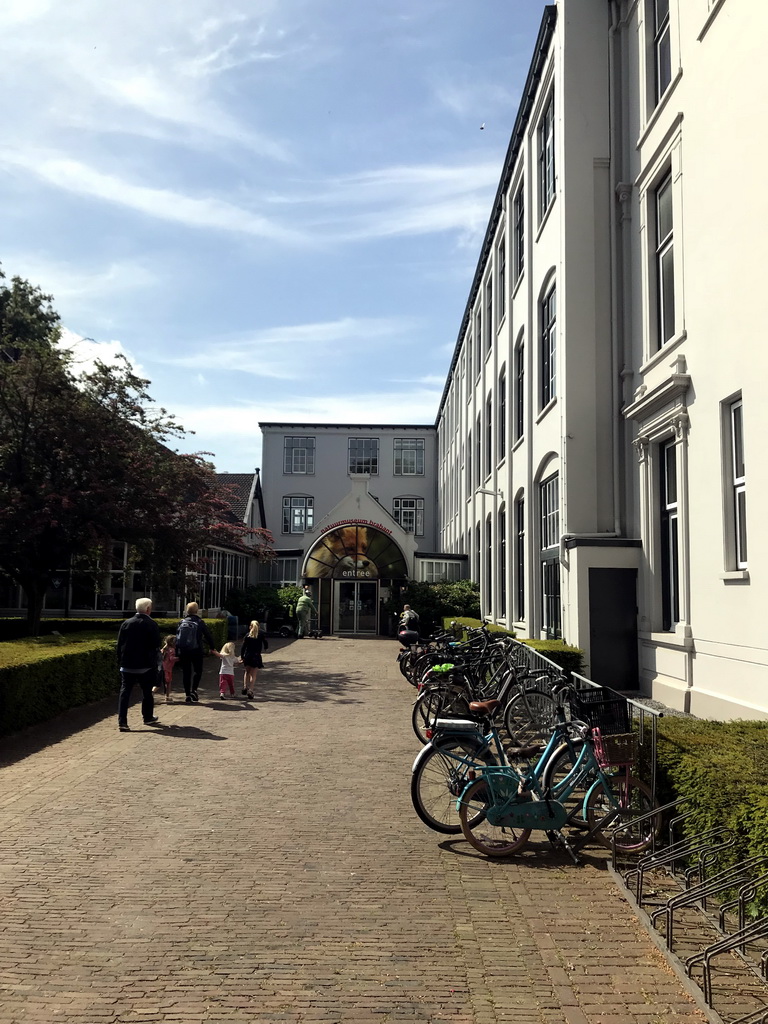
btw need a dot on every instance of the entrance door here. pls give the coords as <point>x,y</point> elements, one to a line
<point>613,627</point>
<point>355,607</point>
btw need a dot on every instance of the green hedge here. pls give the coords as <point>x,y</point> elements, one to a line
<point>41,682</point>
<point>16,629</point>
<point>41,678</point>
<point>722,768</point>
<point>466,624</point>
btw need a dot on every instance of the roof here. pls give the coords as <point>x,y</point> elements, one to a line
<point>240,487</point>
<point>346,426</point>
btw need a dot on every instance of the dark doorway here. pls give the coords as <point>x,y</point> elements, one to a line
<point>613,628</point>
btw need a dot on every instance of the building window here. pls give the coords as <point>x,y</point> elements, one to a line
<point>736,510</point>
<point>520,559</point>
<point>488,581</point>
<point>409,513</point>
<point>477,553</point>
<point>502,569</point>
<point>469,464</point>
<point>662,51</point>
<point>478,450</point>
<point>283,572</point>
<point>550,563</point>
<point>298,514</point>
<point>665,268</point>
<point>518,255</point>
<point>478,340</point>
<point>670,543</point>
<point>519,391</point>
<point>409,456</point>
<point>440,572</point>
<point>364,455</point>
<point>548,349</point>
<point>501,278</point>
<point>299,455</point>
<point>547,157</point>
<point>488,436</point>
<point>488,315</point>
<point>502,414</point>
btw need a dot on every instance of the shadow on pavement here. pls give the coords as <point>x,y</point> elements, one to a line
<point>540,855</point>
<point>35,738</point>
<point>184,732</point>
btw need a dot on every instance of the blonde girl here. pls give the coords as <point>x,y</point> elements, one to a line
<point>227,670</point>
<point>250,657</point>
<point>169,658</point>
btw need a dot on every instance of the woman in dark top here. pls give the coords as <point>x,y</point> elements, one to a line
<point>250,657</point>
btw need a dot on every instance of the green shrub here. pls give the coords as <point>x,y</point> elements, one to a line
<point>38,682</point>
<point>437,601</point>
<point>466,623</point>
<point>721,769</point>
<point>570,659</point>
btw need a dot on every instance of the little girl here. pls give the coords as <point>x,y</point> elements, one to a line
<point>227,670</point>
<point>169,658</point>
<point>250,657</point>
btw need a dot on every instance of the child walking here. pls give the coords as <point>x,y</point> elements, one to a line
<point>169,657</point>
<point>250,657</point>
<point>227,670</point>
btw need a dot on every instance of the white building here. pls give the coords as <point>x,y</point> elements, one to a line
<point>604,386</point>
<point>602,404</point>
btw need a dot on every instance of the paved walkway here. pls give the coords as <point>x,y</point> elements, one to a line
<point>261,862</point>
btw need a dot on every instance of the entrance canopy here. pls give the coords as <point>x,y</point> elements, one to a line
<point>355,551</point>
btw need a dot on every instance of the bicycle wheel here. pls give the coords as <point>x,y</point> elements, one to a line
<point>437,702</point>
<point>556,769</point>
<point>529,717</point>
<point>635,798</point>
<point>491,840</point>
<point>439,779</point>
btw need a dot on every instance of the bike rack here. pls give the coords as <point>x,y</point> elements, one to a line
<point>735,943</point>
<point>703,847</point>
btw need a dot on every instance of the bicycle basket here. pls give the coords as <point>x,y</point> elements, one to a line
<point>615,751</point>
<point>601,709</point>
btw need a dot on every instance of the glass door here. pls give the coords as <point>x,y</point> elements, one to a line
<point>356,607</point>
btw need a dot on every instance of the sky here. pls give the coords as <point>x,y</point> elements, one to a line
<point>272,208</point>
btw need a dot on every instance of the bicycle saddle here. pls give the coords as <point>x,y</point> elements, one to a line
<point>484,707</point>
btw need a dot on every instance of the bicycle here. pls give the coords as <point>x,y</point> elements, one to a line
<point>499,810</point>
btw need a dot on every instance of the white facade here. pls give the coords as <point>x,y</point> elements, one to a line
<point>608,333</point>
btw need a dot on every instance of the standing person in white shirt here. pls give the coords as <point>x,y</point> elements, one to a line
<point>227,670</point>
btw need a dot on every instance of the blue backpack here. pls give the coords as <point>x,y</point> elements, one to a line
<point>186,636</point>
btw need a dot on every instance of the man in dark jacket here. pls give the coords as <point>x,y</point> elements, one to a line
<point>138,649</point>
<point>190,651</point>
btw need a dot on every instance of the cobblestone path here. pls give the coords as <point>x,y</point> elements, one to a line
<point>262,862</point>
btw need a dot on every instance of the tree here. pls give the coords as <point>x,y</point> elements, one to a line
<point>84,460</point>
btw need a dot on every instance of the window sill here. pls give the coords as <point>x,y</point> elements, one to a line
<point>735,576</point>
<point>547,408</point>
<point>545,218</point>
<point>518,282</point>
<point>658,110</point>
<point>501,323</point>
<point>710,18</point>
<point>663,352</point>
<point>668,639</point>
<point>518,442</point>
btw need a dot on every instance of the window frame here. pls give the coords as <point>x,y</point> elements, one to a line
<point>519,407</point>
<point>735,489</point>
<point>669,536</point>
<point>518,212</point>
<point>662,51</point>
<point>372,460</point>
<point>292,449</point>
<point>664,259</point>
<point>546,157</point>
<point>292,504</point>
<point>520,559</point>
<point>548,347</point>
<point>549,539</point>
<point>415,445</point>
<point>401,507</point>
<point>501,425</point>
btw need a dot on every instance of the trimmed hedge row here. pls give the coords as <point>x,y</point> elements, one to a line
<point>16,629</point>
<point>52,679</point>
<point>721,768</point>
<point>41,679</point>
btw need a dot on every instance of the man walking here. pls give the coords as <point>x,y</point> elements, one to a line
<point>189,647</point>
<point>305,607</point>
<point>138,650</point>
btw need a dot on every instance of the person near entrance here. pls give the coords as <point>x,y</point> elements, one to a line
<point>409,619</point>
<point>305,608</point>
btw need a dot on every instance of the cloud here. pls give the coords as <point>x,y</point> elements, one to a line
<point>165,204</point>
<point>86,351</point>
<point>282,352</point>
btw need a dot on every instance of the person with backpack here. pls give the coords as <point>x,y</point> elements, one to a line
<point>189,648</point>
<point>409,619</point>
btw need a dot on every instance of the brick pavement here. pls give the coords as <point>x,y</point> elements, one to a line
<point>262,862</point>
